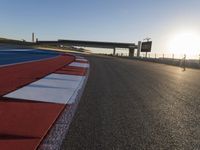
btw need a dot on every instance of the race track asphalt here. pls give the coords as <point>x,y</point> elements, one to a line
<point>134,105</point>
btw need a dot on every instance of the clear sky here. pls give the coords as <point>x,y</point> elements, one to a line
<point>102,20</point>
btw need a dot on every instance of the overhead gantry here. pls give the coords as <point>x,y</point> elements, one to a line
<point>95,44</point>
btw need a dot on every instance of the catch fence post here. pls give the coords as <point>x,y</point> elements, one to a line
<point>199,58</point>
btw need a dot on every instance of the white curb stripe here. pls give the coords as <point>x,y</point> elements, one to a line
<point>65,77</point>
<point>76,64</point>
<point>81,59</point>
<point>55,88</point>
<point>74,96</point>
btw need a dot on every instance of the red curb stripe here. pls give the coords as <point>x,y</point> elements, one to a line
<point>16,76</point>
<point>71,70</point>
<point>26,144</point>
<point>27,119</point>
<point>70,73</point>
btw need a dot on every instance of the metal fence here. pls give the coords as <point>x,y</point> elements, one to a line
<point>181,60</point>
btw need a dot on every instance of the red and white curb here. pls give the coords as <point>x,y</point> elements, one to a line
<point>62,88</point>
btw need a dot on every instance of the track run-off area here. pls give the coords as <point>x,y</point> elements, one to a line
<point>134,105</point>
<point>12,56</point>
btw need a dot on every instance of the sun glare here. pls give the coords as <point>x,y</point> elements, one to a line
<point>185,43</point>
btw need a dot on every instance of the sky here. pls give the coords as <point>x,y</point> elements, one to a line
<point>101,20</point>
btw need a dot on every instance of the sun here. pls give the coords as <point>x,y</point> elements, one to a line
<point>185,42</point>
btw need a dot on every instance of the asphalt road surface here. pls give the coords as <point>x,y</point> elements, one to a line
<point>129,104</point>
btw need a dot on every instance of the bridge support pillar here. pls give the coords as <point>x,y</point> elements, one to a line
<point>139,48</point>
<point>114,51</point>
<point>131,52</point>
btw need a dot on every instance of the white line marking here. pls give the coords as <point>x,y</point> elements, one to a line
<point>76,64</point>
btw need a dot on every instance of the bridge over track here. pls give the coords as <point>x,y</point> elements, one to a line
<point>95,44</point>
